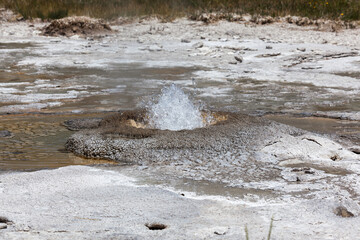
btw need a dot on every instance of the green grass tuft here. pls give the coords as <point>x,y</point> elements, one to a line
<point>271,227</point>
<point>246,233</point>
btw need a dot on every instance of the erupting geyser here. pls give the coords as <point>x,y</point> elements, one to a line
<point>174,111</point>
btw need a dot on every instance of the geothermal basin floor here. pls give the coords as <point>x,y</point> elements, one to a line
<point>91,203</point>
<point>286,69</point>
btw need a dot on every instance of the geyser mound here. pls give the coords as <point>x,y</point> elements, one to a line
<point>220,146</point>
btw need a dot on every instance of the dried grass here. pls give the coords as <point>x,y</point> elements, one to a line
<point>111,9</point>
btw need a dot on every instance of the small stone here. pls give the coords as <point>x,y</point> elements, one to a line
<point>221,230</point>
<point>311,67</point>
<point>185,40</point>
<point>269,55</point>
<point>240,59</point>
<point>26,229</point>
<point>301,49</point>
<point>355,150</point>
<point>343,212</point>
<point>250,49</point>
<point>3,225</point>
<point>4,220</point>
<point>5,133</point>
<point>155,226</point>
<point>233,62</point>
<point>268,47</point>
<point>198,45</point>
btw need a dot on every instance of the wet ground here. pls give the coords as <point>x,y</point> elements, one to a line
<point>38,139</point>
<point>297,76</point>
<point>37,142</point>
<point>71,78</point>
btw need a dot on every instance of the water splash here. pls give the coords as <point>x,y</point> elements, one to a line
<point>174,111</point>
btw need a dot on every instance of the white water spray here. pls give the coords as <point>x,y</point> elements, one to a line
<point>174,111</point>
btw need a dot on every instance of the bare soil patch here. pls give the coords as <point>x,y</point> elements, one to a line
<point>82,26</point>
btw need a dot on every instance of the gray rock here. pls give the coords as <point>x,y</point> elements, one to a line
<point>185,40</point>
<point>198,45</point>
<point>311,67</point>
<point>3,225</point>
<point>240,59</point>
<point>269,55</point>
<point>221,231</point>
<point>5,133</point>
<point>4,220</point>
<point>355,150</point>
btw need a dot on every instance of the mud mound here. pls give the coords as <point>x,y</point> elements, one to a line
<point>230,142</point>
<point>70,26</point>
<point>237,147</point>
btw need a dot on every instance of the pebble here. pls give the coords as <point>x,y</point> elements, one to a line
<point>355,150</point>
<point>311,67</point>
<point>198,45</point>
<point>270,55</point>
<point>239,59</point>
<point>5,133</point>
<point>3,225</point>
<point>221,230</point>
<point>185,40</point>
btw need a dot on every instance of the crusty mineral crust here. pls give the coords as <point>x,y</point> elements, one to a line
<point>82,26</point>
<point>233,142</point>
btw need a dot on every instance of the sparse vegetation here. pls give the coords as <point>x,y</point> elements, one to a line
<point>269,233</point>
<point>270,228</point>
<point>110,9</point>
